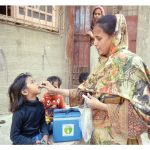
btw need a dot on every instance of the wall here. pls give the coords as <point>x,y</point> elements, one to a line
<point>27,50</point>
<point>143,34</point>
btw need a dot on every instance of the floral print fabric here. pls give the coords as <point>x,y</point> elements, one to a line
<point>123,73</point>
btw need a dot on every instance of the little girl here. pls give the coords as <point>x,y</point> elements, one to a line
<point>28,121</point>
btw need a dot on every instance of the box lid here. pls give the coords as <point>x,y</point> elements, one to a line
<point>65,113</point>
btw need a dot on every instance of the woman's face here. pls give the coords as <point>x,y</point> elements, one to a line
<point>102,41</point>
<point>97,14</point>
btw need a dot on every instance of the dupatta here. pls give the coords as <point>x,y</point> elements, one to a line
<point>123,73</point>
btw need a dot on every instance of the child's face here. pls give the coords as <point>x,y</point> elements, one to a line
<point>55,84</point>
<point>32,88</point>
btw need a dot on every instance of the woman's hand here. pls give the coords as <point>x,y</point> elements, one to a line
<point>47,85</point>
<point>52,90</point>
<point>94,103</point>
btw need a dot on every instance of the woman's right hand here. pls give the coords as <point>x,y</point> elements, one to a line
<point>52,90</point>
<point>47,85</point>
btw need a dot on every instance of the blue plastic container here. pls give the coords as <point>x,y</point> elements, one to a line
<point>66,125</point>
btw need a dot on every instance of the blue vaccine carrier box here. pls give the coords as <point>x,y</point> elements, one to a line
<point>66,125</point>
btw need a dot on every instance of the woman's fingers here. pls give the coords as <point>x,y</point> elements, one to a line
<point>47,85</point>
<point>92,97</point>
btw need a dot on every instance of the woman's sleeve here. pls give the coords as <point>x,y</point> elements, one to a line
<point>75,97</point>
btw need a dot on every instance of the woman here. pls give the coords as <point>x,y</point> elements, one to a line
<point>120,86</point>
<point>98,12</point>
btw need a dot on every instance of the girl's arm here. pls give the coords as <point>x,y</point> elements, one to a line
<point>15,133</point>
<point>43,125</point>
<point>44,129</point>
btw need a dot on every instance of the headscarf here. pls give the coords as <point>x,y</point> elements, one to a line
<point>93,11</point>
<point>123,73</point>
<point>121,33</point>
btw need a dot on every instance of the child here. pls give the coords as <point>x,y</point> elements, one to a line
<point>51,102</point>
<point>83,76</point>
<point>28,121</point>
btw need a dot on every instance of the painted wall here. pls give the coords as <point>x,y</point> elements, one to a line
<point>27,50</point>
<point>143,34</point>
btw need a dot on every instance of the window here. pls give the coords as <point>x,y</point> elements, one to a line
<point>47,17</point>
<point>39,15</point>
<point>5,10</point>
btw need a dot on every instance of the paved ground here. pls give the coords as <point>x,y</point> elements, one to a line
<point>5,129</point>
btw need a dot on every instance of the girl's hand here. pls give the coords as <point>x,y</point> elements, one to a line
<point>54,106</point>
<point>38,142</point>
<point>45,139</point>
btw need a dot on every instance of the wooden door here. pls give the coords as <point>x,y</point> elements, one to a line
<point>79,44</point>
<point>78,47</point>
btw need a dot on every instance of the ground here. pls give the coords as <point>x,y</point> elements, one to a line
<point>5,123</point>
<point>5,129</point>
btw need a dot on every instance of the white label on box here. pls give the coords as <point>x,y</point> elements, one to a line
<point>68,130</point>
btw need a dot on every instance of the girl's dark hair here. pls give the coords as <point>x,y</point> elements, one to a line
<point>107,23</point>
<point>53,79</point>
<point>14,91</point>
